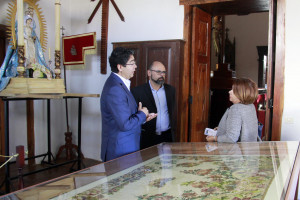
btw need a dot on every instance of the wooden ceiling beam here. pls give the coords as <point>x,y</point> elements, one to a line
<point>229,7</point>
<point>197,2</point>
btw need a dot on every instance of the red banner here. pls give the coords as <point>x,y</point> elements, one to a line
<point>75,48</point>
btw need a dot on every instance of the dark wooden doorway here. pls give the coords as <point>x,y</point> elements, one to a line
<point>276,9</point>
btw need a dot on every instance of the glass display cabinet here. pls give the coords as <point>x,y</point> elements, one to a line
<point>262,170</point>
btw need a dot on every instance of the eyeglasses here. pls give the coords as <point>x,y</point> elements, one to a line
<point>133,63</point>
<point>159,72</point>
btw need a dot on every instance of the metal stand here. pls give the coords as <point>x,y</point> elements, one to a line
<point>69,147</point>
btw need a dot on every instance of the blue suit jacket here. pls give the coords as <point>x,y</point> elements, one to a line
<point>121,120</point>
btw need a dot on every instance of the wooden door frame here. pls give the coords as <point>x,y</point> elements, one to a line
<point>279,62</point>
<point>185,89</point>
<point>278,98</point>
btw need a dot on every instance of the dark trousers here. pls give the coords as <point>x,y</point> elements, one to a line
<point>150,139</point>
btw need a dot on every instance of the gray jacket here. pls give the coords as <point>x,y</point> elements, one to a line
<point>239,123</point>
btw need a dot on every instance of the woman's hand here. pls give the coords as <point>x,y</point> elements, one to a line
<point>211,138</point>
<point>216,128</point>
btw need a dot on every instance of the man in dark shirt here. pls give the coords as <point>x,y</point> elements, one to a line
<point>159,98</point>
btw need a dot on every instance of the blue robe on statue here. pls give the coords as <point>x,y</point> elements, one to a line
<point>9,67</point>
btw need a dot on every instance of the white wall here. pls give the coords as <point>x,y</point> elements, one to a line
<point>144,20</point>
<point>291,111</point>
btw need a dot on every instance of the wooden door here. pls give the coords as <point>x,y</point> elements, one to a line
<point>200,75</point>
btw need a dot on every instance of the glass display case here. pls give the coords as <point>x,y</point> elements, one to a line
<point>262,170</point>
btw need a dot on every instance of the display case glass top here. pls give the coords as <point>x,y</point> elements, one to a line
<point>182,171</point>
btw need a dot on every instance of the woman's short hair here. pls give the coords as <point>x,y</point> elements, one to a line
<point>245,90</point>
<point>119,56</point>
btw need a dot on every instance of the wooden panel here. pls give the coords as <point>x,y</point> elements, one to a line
<point>104,34</point>
<point>165,53</point>
<point>162,54</point>
<point>200,75</point>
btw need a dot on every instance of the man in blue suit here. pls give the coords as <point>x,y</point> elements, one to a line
<point>121,117</point>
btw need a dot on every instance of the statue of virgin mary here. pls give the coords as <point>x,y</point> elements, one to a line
<point>34,57</point>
